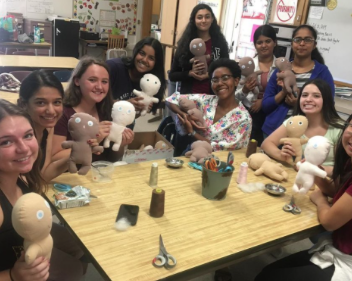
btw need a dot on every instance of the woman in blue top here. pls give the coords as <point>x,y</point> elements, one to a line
<point>307,64</point>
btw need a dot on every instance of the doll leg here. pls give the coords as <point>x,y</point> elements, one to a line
<point>84,170</point>
<point>72,168</point>
<point>106,142</point>
<point>143,112</point>
<point>298,155</point>
<point>116,147</point>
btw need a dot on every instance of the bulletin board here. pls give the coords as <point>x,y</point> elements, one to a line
<point>106,14</point>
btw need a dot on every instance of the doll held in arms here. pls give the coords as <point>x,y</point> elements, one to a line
<point>247,67</point>
<point>287,75</point>
<point>82,128</point>
<point>198,49</point>
<point>32,220</point>
<point>195,115</point>
<point>123,114</point>
<point>315,153</point>
<point>295,128</point>
<point>150,85</point>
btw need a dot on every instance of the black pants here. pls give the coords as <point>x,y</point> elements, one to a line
<point>181,143</point>
<point>258,119</point>
<point>295,267</point>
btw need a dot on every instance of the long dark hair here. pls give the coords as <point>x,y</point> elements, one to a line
<point>35,81</point>
<point>315,55</point>
<point>341,173</point>
<point>329,112</point>
<point>158,70</point>
<point>73,94</point>
<point>183,54</point>
<point>33,177</point>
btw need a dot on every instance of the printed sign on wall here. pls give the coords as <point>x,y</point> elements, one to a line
<point>285,11</point>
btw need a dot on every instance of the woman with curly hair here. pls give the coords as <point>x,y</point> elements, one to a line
<point>202,24</point>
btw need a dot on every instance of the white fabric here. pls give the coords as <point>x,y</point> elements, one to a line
<point>326,255</point>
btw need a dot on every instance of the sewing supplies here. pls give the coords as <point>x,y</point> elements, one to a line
<point>195,166</point>
<point>251,148</point>
<point>164,259</point>
<point>230,158</point>
<point>211,164</point>
<point>275,189</point>
<point>292,207</point>
<point>157,203</point>
<point>62,187</point>
<point>153,179</point>
<point>242,175</point>
<point>75,197</point>
<point>174,162</point>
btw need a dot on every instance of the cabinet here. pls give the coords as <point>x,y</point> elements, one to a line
<point>45,28</point>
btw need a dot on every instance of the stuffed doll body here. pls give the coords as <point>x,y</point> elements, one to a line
<point>150,85</point>
<point>32,220</point>
<point>295,128</point>
<point>198,49</point>
<point>197,116</point>
<point>199,151</point>
<point>263,165</point>
<point>315,153</point>
<point>287,75</point>
<point>123,114</point>
<point>247,67</point>
<point>82,127</point>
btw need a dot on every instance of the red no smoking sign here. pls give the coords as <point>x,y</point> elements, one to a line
<point>286,10</point>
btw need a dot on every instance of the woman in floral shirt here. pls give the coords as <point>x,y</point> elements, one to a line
<point>228,123</point>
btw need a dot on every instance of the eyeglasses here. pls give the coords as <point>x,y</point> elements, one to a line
<point>307,40</point>
<point>223,78</point>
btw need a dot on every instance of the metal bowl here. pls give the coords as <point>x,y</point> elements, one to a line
<point>275,189</point>
<point>174,162</point>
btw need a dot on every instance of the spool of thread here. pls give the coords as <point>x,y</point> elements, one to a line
<point>153,179</point>
<point>242,175</point>
<point>157,203</point>
<point>251,148</point>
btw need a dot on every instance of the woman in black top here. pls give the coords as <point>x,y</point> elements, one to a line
<point>202,24</point>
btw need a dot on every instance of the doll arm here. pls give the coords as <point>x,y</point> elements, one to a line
<point>259,172</point>
<point>318,172</point>
<point>97,148</point>
<point>138,93</point>
<point>67,144</point>
<point>32,253</point>
<point>208,57</point>
<point>303,141</point>
<point>191,60</point>
<point>155,100</point>
<point>283,140</point>
<point>281,75</point>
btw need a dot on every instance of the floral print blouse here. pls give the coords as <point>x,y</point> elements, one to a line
<point>230,132</point>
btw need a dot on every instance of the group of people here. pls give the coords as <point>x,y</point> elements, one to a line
<point>31,132</point>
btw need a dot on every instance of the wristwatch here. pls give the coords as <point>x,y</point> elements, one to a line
<point>192,133</point>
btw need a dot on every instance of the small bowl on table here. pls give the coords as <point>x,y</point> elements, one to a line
<point>275,189</point>
<point>174,162</point>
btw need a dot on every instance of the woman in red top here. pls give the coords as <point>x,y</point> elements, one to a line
<point>336,218</point>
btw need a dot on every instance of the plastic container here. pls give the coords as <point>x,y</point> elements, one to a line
<point>36,34</point>
<point>102,171</point>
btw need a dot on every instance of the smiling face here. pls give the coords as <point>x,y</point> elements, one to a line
<point>311,100</point>
<point>303,49</point>
<point>203,20</point>
<point>45,107</point>
<point>347,139</point>
<point>265,46</point>
<point>18,145</point>
<point>225,85</point>
<point>145,59</point>
<point>94,83</point>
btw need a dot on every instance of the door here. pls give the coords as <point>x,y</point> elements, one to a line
<point>66,40</point>
<point>147,17</point>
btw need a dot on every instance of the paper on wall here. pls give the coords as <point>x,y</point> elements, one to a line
<point>316,12</point>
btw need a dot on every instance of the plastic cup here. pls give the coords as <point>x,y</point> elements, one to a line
<point>215,184</point>
<point>102,171</point>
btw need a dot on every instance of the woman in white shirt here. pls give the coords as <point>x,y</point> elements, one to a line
<point>264,41</point>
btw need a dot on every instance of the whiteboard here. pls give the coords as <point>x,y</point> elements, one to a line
<point>334,39</point>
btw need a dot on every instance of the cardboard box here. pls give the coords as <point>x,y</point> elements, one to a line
<point>134,155</point>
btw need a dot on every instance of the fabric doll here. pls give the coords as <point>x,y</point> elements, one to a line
<point>82,127</point>
<point>191,109</point>
<point>295,127</point>
<point>198,49</point>
<point>199,151</point>
<point>287,75</point>
<point>123,114</point>
<point>197,116</point>
<point>150,85</point>
<point>247,67</point>
<point>32,220</point>
<point>315,153</point>
<point>263,165</point>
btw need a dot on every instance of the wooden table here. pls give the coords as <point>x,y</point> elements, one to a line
<point>17,45</point>
<point>38,62</point>
<point>203,235</point>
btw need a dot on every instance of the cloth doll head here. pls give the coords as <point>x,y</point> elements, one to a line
<point>256,160</point>
<point>197,47</point>
<point>247,66</point>
<point>186,104</point>
<point>283,64</point>
<point>296,126</point>
<point>150,84</point>
<point>317,150</point>
<point>123,113</point>
<point>83,126</point>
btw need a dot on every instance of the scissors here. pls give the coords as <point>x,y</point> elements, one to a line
<point>292,207</point>
<point>212,163</point>
<point>163,258</point>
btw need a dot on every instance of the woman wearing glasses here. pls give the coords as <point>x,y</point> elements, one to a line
<point>228,123</point>
<point>264,43</point>
<point>307,64</point>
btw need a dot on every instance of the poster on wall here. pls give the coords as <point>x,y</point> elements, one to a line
<point>284,11</point>
<point>254,9</point>
<point>116,13</point>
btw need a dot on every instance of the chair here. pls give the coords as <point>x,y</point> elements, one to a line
<point>24,53</point>
<point>21,75</point>
<point>63,75</point>
<point>167,129</point>
<point>116,41</point>
<point>115,53</point>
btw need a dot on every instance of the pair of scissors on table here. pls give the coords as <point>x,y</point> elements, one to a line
<point>164,258</point>
<point>212,163</point>
<point>292,207</point>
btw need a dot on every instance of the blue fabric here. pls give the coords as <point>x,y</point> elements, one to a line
<point>276,113</point>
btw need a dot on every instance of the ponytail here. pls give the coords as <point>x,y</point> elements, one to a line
<point>316,55</point>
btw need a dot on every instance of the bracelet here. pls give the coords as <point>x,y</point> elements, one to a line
<point>11,275</point>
